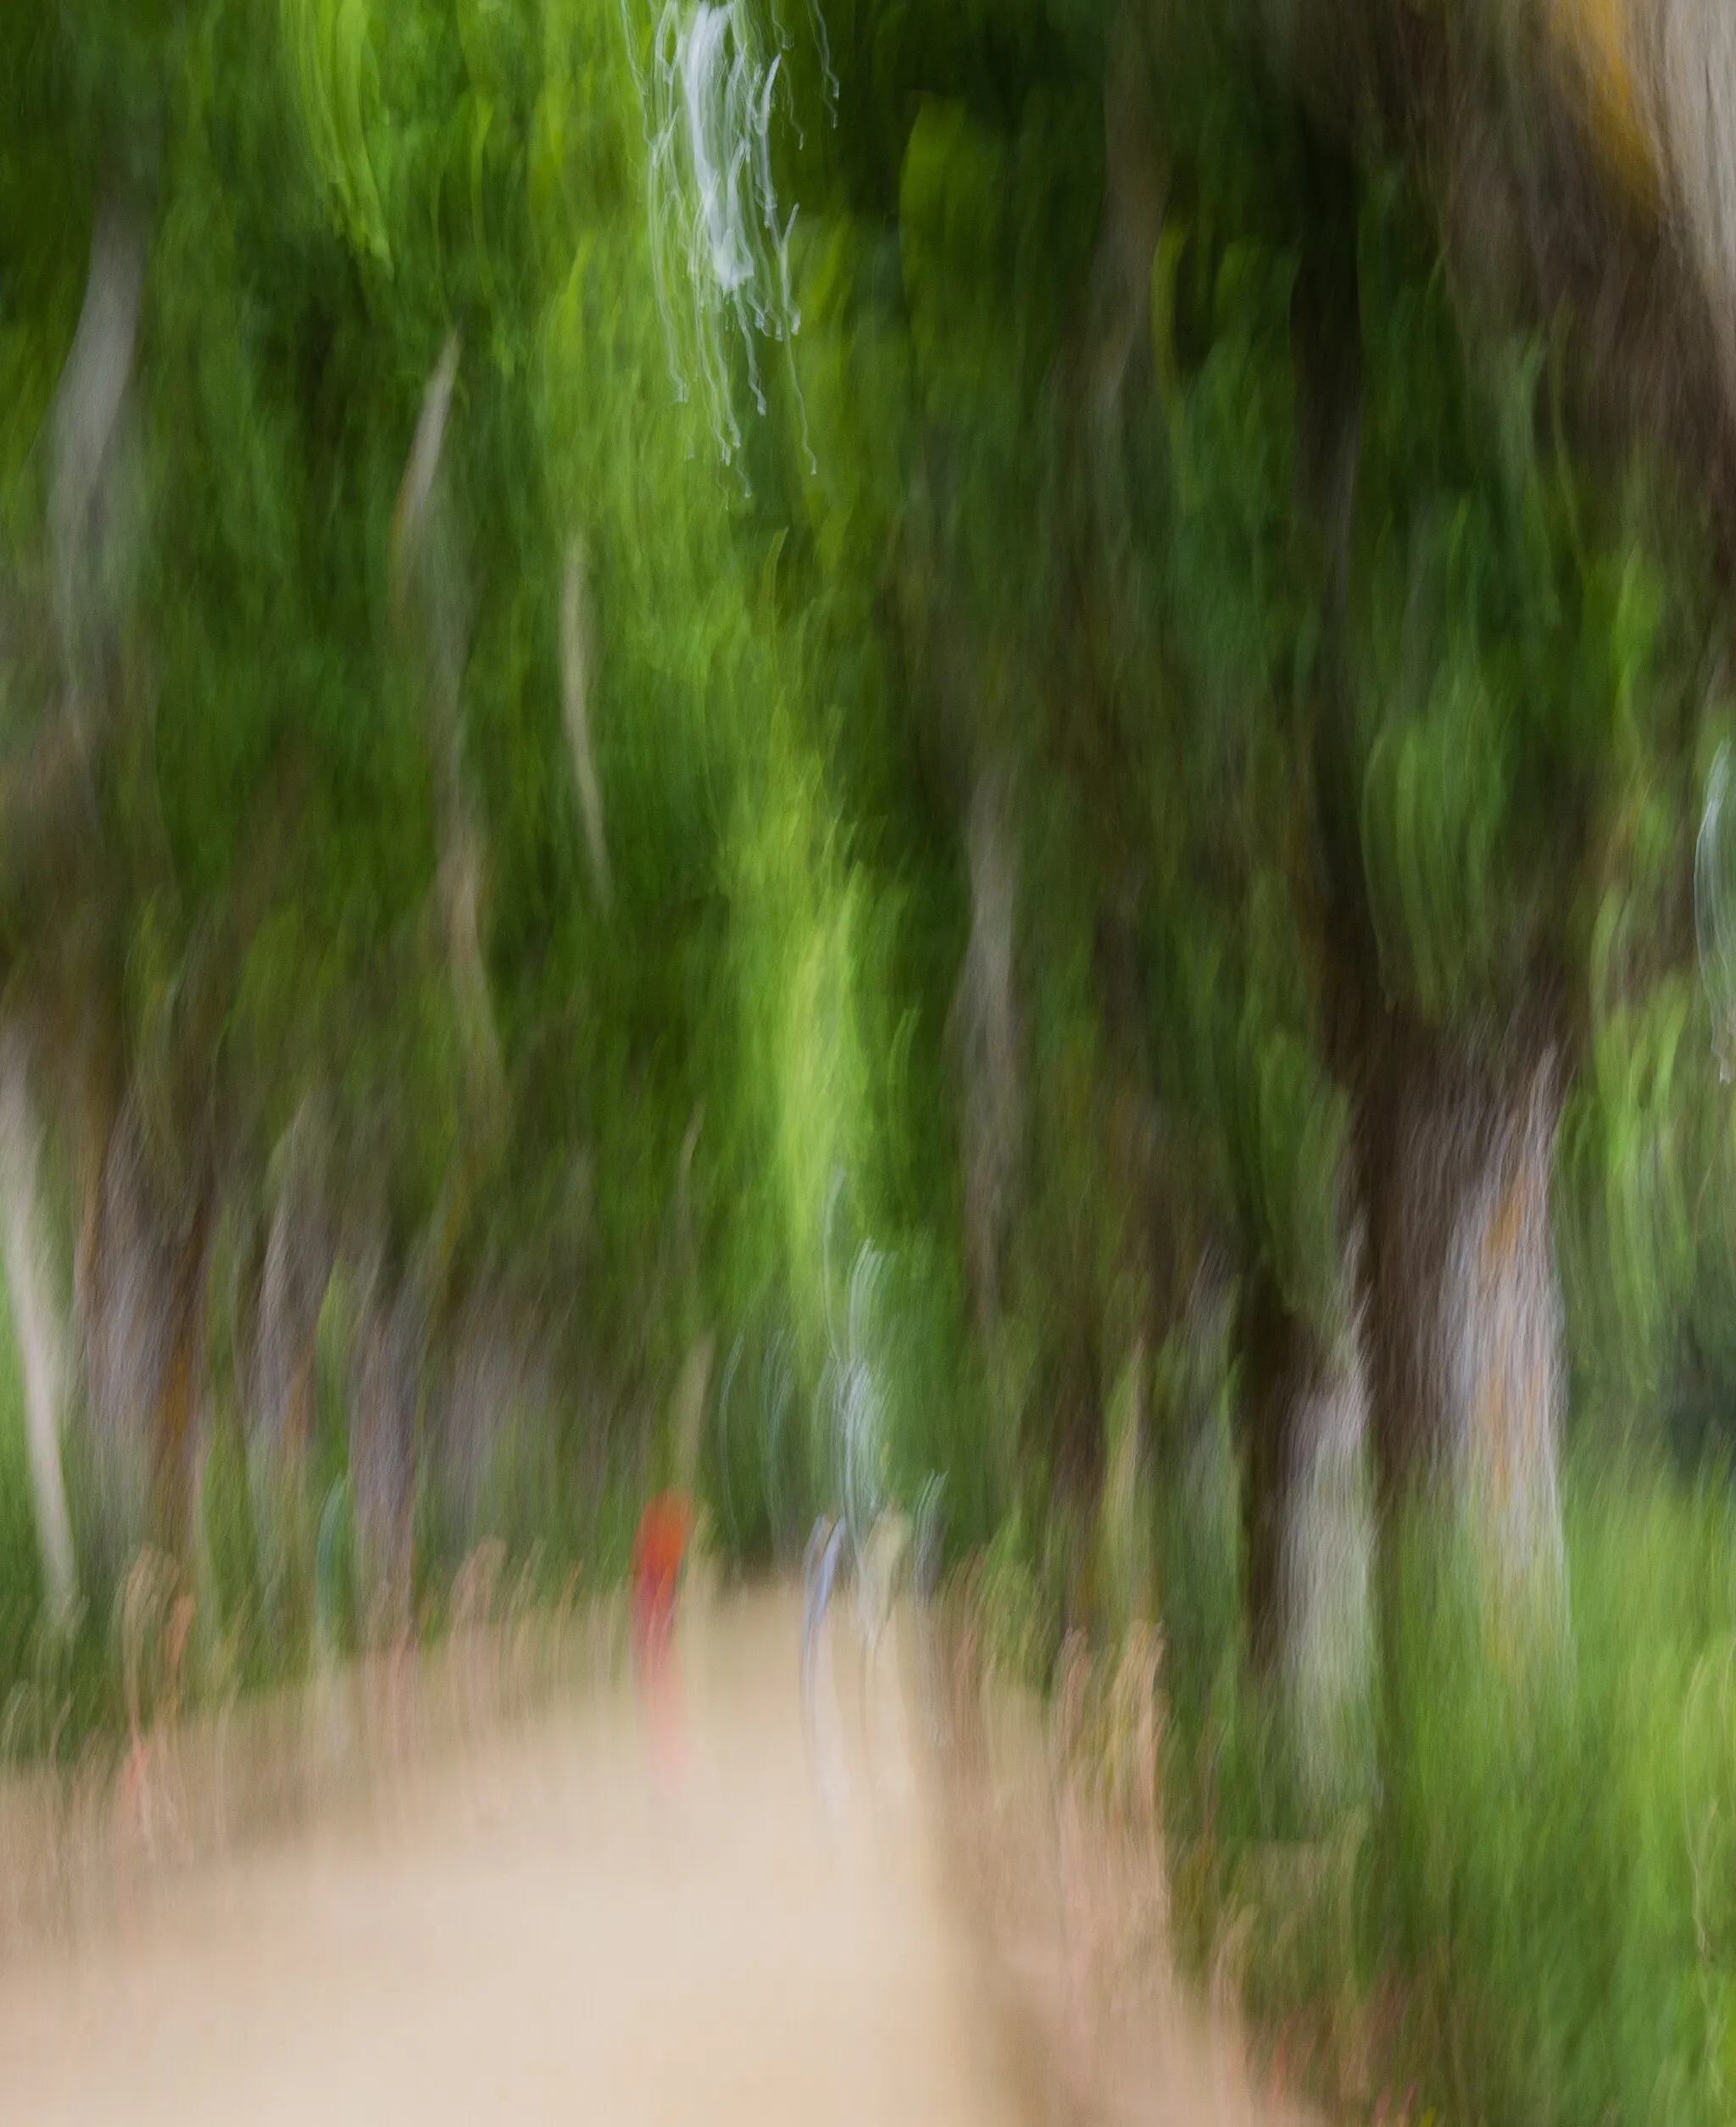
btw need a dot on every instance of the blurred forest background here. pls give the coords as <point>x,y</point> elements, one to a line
<point>912,753</point>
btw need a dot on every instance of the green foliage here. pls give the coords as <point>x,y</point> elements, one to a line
<point>1535,1928</point>
<point>1019,509</point>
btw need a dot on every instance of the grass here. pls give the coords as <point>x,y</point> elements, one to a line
<point>1533,1918</point>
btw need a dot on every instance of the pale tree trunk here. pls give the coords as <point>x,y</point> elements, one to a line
<point>1465,1321</point>
<point>278,1329</point>
<point>88,525</point>
<point>472,1397</point>
<point>280,1390</point>
<point>1325,1567</point>
<point>689,1412</point>
<point>489,1376</point>
<point>140,1284</point>
<point>300,1252</point>
<point>385,1397</point>
<point>1508,1372</point>
<point>433,603</point>
<point>1673,78</point>
<point>40,1345</point>
<point>122,1311</point>
<point>1307,1524</point>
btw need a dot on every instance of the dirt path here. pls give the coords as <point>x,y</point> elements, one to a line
<point>539,1927</point>
<point>539,1932</point>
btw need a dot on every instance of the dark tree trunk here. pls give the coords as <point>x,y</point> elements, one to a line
<point>1281,1367</point>
<point>181,1385</point>
<point>1460,1319</point>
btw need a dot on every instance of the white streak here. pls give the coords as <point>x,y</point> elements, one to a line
<point>577,664</point>
<point>720,242</point>
<point>1714,923</point>
<point>34,1317</point>
<point>430,432</point>
<point>87,414</point>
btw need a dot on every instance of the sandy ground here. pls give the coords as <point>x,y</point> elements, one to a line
<point>561,1923</point>
<point>554,1926</point>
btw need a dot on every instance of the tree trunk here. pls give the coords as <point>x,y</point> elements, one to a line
<point>1307,1524</point>
<point>489,1374</point>
<point>1328,1547</point>
<point>1281,1367</point>
<point>299,1255</point>
<point>988,1017</point>
<point>1124,1537</point>
<point>141,1282</point>
<point>179,1390</point>
<point>385,1397</point>
<point>1464,1314</point>
<point>1510,1379</point>
<point>37,1325</point>
<point>122,1313</point>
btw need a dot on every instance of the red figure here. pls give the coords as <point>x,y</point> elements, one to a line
<point>658,1550</point>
